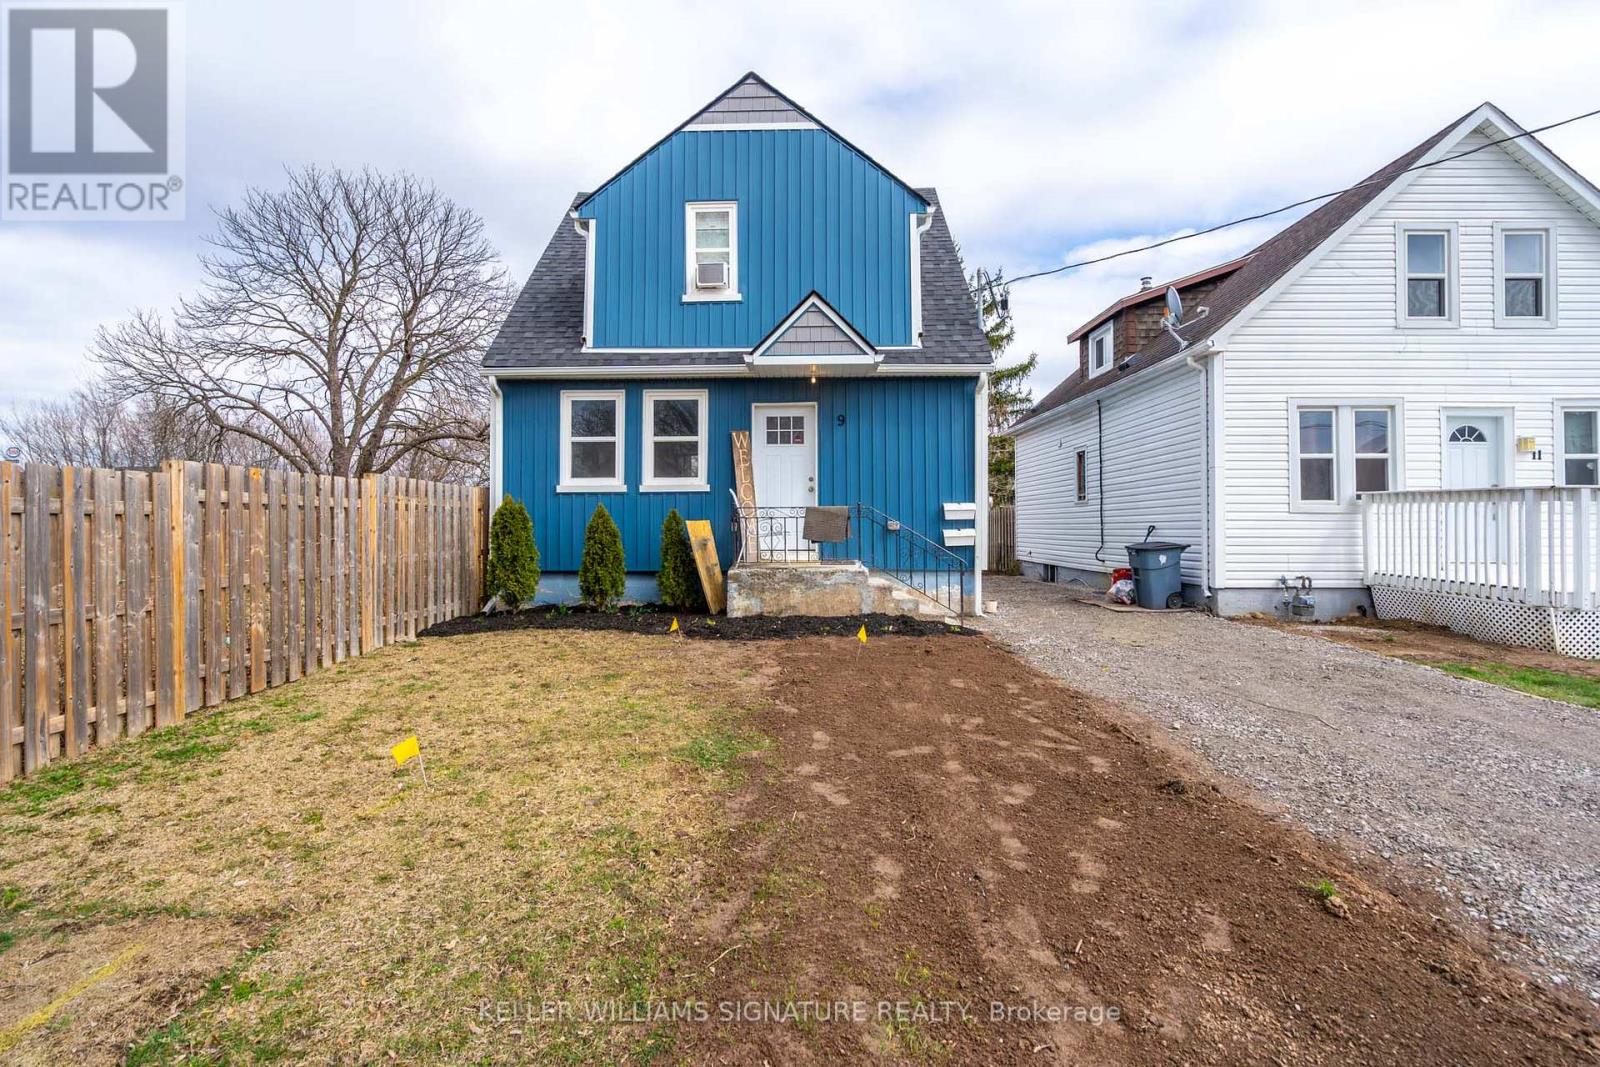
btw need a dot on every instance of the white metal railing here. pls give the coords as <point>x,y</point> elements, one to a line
<point>1522,546</point>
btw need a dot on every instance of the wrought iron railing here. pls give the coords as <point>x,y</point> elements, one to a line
<point>882,543</point>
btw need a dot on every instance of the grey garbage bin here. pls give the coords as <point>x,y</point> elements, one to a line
<point>1157,579</point>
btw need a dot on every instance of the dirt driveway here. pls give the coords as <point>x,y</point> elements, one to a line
<point>1491,796</point>
<point>988,867</point>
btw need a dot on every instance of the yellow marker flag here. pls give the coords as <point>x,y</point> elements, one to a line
<point>861,635</point>
<point>674,625</point>
<point>406,751</point>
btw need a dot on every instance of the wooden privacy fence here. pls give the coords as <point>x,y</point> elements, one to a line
<point>1003,538</point>
<point>131,598</point>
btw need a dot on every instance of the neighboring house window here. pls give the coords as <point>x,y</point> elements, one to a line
<point>1083,476</point>
<point>711,239</point>
<point>1317,454</point>
<point>1341,451</point>
<point>1427,291</point>
<point>591,441</point>
<point>675,441</point>
<point>1100,349</point>
<point>1580,446</point>
<point>1525,276</point>
<point>1372,449</point>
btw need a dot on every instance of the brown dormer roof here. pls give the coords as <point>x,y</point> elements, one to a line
<point>1155,292</point>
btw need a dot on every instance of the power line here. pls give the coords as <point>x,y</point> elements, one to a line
<point>1289,207</point>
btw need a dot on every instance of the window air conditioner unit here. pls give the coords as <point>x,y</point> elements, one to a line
<point>711,275</point>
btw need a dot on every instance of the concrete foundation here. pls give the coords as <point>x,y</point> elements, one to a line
<point>1332,603</point>
<point>828,590</point>
<point>1193,595</point>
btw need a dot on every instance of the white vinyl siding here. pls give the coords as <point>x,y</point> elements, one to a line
<point>1332,337</point>
<point>1153,473</point>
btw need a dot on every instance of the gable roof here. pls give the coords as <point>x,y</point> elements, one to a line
<point>544,328</point>
<point>815,332</point>
<point>1156,292</point>
<point>1274,259</point>
<point>750,101</point>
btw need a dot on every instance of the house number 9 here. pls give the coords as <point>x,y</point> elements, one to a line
<point>840,417</point>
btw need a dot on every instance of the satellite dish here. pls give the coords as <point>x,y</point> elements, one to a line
<point>1174,306</point>
<point>13,454</point>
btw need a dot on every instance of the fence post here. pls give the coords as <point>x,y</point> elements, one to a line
<point>369,561</point>
<point>39,663</point>
<point>1583,538</point>
<point>8,648</point>
<point>1532,548</point>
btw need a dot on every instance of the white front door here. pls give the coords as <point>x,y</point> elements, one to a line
<point>783,440</point>
<point>1474,458</point>
<point>1474,451</point>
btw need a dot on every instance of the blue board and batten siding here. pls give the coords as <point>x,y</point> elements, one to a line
<point>813,214</point>
<point>904,446</point>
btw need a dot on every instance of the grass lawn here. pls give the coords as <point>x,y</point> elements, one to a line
<point>1556,685</point>
<point>261,883</point>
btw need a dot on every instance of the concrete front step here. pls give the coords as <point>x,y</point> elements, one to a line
<point>827,589</point>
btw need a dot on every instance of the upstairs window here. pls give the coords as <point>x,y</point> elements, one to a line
<point>1101,344</point>
<point>1580,446</point>
<point>1427,290</point>
<point>1525,269</point>
<point>711,238</point>
<point>591,441</point>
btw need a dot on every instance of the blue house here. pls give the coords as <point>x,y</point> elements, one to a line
<point>752,271</point>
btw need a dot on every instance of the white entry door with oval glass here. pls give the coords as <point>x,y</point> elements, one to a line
<point>1474,458</point>
<point>784,457</point>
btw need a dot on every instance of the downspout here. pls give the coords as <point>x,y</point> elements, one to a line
<point>1197,360</point>
<point>917,230</point>
<point>496,443</point>
<point>1100,475</point>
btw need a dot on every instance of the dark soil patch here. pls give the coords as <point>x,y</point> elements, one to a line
<point>658,620</point>
<point>937,824</point>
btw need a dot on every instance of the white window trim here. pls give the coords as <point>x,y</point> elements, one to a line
<point>1452,281</point>
<point>1551,303</point>
<point>1109,332</point>
<point>568,483</point>
<point>1344,411</point>
<point>691,295</point>
<point>1560,449</point>
<point>649,482</point>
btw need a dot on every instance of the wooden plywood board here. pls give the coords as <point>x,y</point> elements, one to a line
<point>705,560</point>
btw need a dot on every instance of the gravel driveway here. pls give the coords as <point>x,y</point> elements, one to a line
<point>1494,796</point>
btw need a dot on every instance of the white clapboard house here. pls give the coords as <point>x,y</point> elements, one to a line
<point>1396,397</point>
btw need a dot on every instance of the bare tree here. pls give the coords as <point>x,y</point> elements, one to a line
<point>98,426</point>
<point>340,328</point>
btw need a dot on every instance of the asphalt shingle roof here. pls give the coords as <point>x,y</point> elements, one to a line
<point>1271,260</point>
<point>545,325</point>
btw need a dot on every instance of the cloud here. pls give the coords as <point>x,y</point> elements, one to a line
<point>1049,128</point>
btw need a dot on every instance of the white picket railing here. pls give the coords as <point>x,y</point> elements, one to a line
<point>1518,546</point>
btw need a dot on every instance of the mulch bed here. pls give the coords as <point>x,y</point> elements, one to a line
<point>655,619</point>
<point>935,823</point>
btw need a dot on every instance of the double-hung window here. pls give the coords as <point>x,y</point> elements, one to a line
<point>711,240</point>
<point>1426,293</point>
<point>1580,446</point>
<point>592,441</point>
<point>1525,275</point>
<point>1101,345</point>
<point>1339,452</point>
<point>675,441</point>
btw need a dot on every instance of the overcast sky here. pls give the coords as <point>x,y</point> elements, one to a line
<point>1053,131</point>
